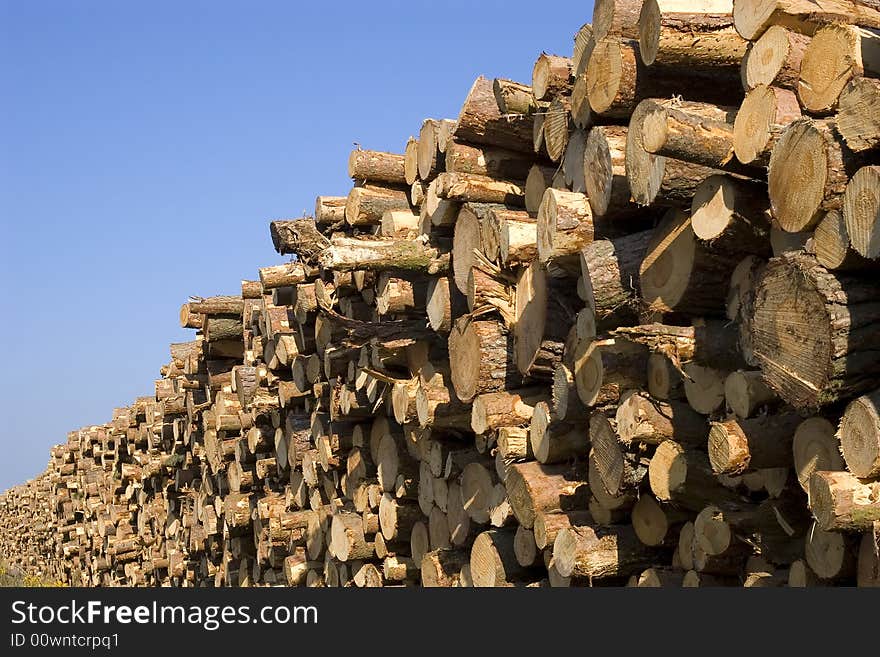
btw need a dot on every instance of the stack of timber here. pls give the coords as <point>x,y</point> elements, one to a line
<point>616,326</point>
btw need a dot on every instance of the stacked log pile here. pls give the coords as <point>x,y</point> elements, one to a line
<point>617,326</point>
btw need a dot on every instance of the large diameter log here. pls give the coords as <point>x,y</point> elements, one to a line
<point>655,179</point>
<point>858,119</point>
<point>681,274</point>
<point>675,33</point>
<point>859,435</point>
<point>487,161</point>
<point>545,312</point>
<point>616,18</point>
<point>830,555</point>
<point>809,169</point>
<point>481,357</point>
<point>555,442</point>
<point>736,446</point>
<point>605,369</point>
<point>774,59</point>
<point>861,211</point>
<point>299,236</point>
<point>753,17</point>
<point>351,254</point>
<point>583,48</point>
<point>836,54</point>
<point>366,205</point>
<point>814,333</point>
<point>481,122</point>
<point>619,469</point>
<point>533,488</point>
<point>762,119</point>
<point>815,447</point>
<point>610,272</point>
<point>551,76</point>
<point>840,502</point>
<point>618,80</point>
<point>376,166</point>
<point>539,178</point>
<point>565,225</point>
<point>598,553</point>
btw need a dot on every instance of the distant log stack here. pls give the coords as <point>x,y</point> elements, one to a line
<point>617,325</point>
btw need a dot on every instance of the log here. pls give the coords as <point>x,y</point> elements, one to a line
<point>675,34</point>
<point>330,210</point>
<point>835,55</point>
<point>376,166</point>
<point>430,162</point>
<point>809,169</point>
<point>517,236</point>
<point>351,254</point>
<point>859,435</point>
<point>581,113</point>
<point>858,118</point>
<point>774,59</point>
<point>366,205</point>
<point>534,488</point>
<point>481,122</point>
<point>285,275</point>
<point>830,555</point>
<point>868,566</point>
<point>861,211</point>
<point>840,502</point>
<point>551,76</point>
<point>815,351</point>
<point>493,561</point>
<point>513,97</point>
<point>657,525</point>
<point>555,442</point>
<point>763,117</point>
<point>465,187</point>
<point>605,369</point>
<point>685,477</point>
<point>606,184</point>
<point>565,226</point>
<point>481,357</point>
<point>815,447</point>
<point>754,17</point>
<point>557,127</point>
<point>400,224</point>
<point>736,446</point>
<point>538,180</point>
<point>619,469</point>
<point>599,553</point>
<point>504,409</point>
<point>745,392</point>
<point>616,18</point>
<point>641,419</point>
<point>442,568</point>
<point>494,163</point>
<point>583,48</point>
<point>573,161</point>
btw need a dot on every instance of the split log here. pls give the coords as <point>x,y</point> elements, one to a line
<point>605,183</point>
<point>583,48</point>
<point>517,237</point>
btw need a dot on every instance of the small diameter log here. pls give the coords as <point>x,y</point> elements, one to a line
<point>285,275</point>
<point>682,274</point>
<point>494,163</point>
<point>605,183</point>
<point>548,525</point>
<point>504,409</point>
<point>481,357</point>
<point>430,162</point>
<point>486,290</point>
<point>745,392</point>
<point>704,387</point>
<point>545,312</point>
<point>641,419</point>
<point>330,210</point>
<point>753,17</point>
<point>605,369</point>
<point>815,447</point>
<point>565,226</point>
<point>619,470</point>
<point>830,555</point>
<point>657,524</point>
<point>832,245</point>
<point>858,118</point>
<point>736,446</point>
<point>551,76</point>
<point>539,178</point>
<point>581,114</point>
<point>859,435</point>
<point>481,122</point>
<point>618,80</point>
<point>610,272</point>
<point>366,205</point>
<point>774,59</point>
<point>701,133</point>
<point>400,224</point>
<point>557,127</point>
<point>674,33</point>
<point>809,169</point>
<point>573,161</point>
<point>762,119</point>
<point>813,350</point>
<point>397,518</point>
<point>616,18</point>
<point>224,306</point>
<point>443,568</point>
<point>352,254</point>
<point>375,166</point>
<point>517,236</point>
<point>467,187</point>
<point>411,161</point>
<point>477,492</point>
<point>555,442</point>
<point>840,502</point>
<point>732,214</point>
<point>565,403</point>
<point>861,211</point>
<point>665,380</point>
<point>219,329</point>
<point>654,179</point>
<point>533,488</point>
<point>685,476</point>
<point>835,55</point>
<point>493,560</point>
<point>598,553</point>
<point>712,341</point>
<point>513,97</point>
<point>466,239</point>
<point>445,304</point>
<point>524,547</point>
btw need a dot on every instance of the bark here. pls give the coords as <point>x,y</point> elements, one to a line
<point>481,122</point>
<point>375,166</point>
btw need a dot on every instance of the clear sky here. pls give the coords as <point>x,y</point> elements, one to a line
<point>144,147</point>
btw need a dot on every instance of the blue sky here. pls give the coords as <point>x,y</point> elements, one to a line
<point>144,148</point>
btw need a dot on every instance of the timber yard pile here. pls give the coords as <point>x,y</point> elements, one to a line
<point>618,326</point>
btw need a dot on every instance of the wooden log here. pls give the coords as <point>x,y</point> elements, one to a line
<point>400,224</point>
<point>830,555</point>
<point>351,254</point>
<point>680,274</point>
<point>745,392</point>
<point>445,304</point>
<point>736,446</point>
<point>581,113</point>
<point>774,59</point>
<point>513,97</point>
<point>465,187</point>
<point>861,211</point>
<point>551,76</point>
<point>481,122</point>
<point>857,118</point>
<point>494,163</point>
<point>573,161</point>
<point>534,488</point>
<point>430,162</point>
<point>868,566</point>
<point>493,561</point>
<point>762,119</point>
<point>677,34</point>
<point>598,553</point>
<point>815,447</point>
<point>840,502</point>
<point>376,166</point>
<point>517,236</point>
<point>859,435</point>
<point>835,55</point>
<point>554,441</point>
<point>616,18</point>
<point>605,369</point>
<point>481,357</point>
<point>732,214</point>
<point>565,226</point>
<point>641,419</point>
<point>809,169</point>
<point>754,17</point>
<point>330,210</point>
<point>442,568</point>
<point>685,476</point>
<point>606,185</point>
<point>277,276</point>
<point>816,351</point>
<point>557,127</point>
<point>583,48</point>
<point>366,205</point>
<point>509,408</point>
<point>619,470</point>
